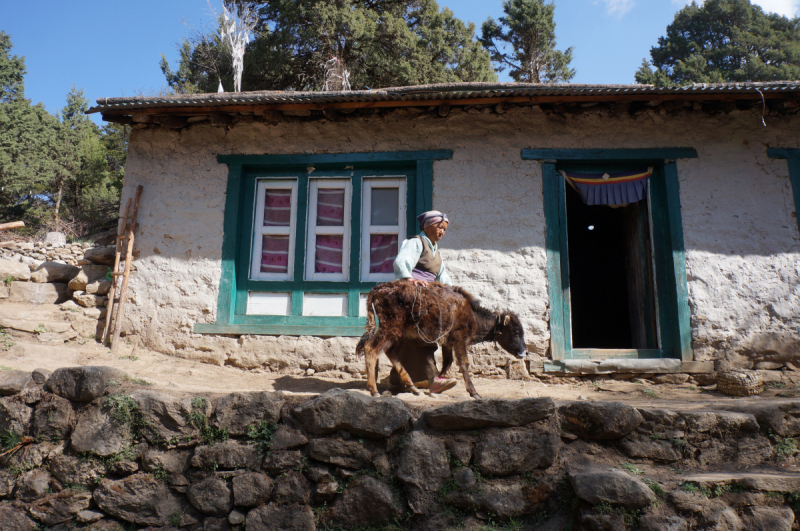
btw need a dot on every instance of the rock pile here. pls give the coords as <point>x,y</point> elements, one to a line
<point>34,253</point>
<point>93,447</point>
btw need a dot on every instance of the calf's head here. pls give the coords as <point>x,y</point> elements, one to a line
<point>510,335</point>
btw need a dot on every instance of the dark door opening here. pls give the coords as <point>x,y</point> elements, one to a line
<point>610,275</point>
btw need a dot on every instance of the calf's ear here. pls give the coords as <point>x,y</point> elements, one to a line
<point>507,320</point>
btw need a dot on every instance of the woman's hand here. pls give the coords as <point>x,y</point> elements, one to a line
<point>417,281</point>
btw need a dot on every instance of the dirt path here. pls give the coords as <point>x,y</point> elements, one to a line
<point>179,376</point>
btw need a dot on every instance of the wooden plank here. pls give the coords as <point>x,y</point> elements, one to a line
<point>598,155</point>
<point>683,313</point>
<point>245,243</point>
<point>353,293</point>
<point>334,158</point>
<point>783,153</point>
<point>279,330</point>
<point>550,190</point>
<point>794,177</point>
<point>604,354</point>
<point>12,225</point>
<point>300,320</point>
<point>199,110</point>
<point>300,247</point>
<point>424,186</point>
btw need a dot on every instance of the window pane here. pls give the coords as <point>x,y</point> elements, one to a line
<point>274,254</point>
<point>385,206</point>
<point>328,255</point>
<point>277,208</point>
<point>382,252</point>
<point>330,207</point>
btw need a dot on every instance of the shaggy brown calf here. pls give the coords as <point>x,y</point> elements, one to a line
<point>435,313</point>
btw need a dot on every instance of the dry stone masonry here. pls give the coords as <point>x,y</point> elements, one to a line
<point>87,446</point>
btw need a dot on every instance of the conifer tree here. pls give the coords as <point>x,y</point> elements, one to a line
<point>524,42</point>
<point>724,40</point>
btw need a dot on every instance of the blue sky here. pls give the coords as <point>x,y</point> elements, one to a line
<point>113,48</point>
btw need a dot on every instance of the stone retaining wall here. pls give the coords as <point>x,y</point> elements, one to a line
<point>92,447</point>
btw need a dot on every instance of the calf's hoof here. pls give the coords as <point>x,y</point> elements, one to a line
<point>476,396</point>
<point>374,392</point>
<point>414,390</point>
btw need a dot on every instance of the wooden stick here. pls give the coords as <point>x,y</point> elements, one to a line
<point>12,225</point>
<point>117,250</point>
<point>123,292</point>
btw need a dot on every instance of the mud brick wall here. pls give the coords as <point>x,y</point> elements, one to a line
<point>92,447</point>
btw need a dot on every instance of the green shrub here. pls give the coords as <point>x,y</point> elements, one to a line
<point>260,434</point>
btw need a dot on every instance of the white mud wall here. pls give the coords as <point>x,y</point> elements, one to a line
<point>740,227</point>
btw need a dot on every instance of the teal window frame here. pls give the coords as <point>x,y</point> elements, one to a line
<point>792,157</point>
<point>244,171</point>
<point>672,293</point>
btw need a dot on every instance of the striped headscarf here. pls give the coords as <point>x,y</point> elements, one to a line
<point>432,217</point>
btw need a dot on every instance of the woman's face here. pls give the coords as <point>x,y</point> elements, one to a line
<point>436,232</point>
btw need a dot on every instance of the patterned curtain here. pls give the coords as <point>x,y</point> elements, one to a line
<point>382,252</point>
<point>615,188</point>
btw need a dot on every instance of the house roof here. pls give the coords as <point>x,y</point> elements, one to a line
<point>437,94</point>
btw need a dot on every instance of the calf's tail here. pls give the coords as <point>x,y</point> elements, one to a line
<point>370,333</point>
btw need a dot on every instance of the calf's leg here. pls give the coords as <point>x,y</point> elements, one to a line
<point>401,371</point>
<point>463,364</point>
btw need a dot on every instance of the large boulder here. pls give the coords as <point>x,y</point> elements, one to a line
<point>292,487</point>
<point>502,499</point>
<point>15,415</point>
<point>251,489</point>
<point>651,522</point>
<point>782,418</point>
<point>100,255</point>
<point>166,416</point>
<point>280,461</point>
<point>769,518</point>
<point>33,293</point>
<point>15,270</point>
<point>52,272</point>
<point>286,438</point>
<point>88,274</point>
<point>504,452</point>
<point>71,470</point>
<point>424,468</point>
<point>53,418</point>
<point>139,498</point>
<point>33,484</point>
<point>15,519</point>
<point>236,411</point>
<point>600,420</point>
<point>229,455</point>
<point>211,496</point>
<point>366,502</point>
<point>291,517</point>
<point>82,384</point>
<point>174,463</point>
<point>348,454</point>
<point>359,414</point>
<point>487,412</point>
<point>612,486</point>
<point>639,446</point>
<point>12,382</point>
<point>96,431</point>
<point>57,508</point>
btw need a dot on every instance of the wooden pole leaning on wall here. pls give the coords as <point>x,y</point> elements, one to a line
<point>12,225</point>
<point>113,318</point>
<point>121,231</point>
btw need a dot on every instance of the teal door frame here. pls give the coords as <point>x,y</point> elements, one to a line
<point>672,300</point>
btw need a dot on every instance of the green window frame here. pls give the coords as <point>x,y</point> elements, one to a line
<point>672,301</point>
<point>792,156</point>
<point>244,173</point>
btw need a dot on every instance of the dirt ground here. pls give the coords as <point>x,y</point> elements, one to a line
<point>185,377</point>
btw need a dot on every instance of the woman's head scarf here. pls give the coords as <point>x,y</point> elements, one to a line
<point>432,217</point>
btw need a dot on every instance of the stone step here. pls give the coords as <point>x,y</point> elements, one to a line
<point>761,480</point>
<point>36,326</point>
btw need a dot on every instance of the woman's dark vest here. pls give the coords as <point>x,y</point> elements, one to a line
<point>427,262</point>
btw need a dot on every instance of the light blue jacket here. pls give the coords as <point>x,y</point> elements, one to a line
<point>408,257</point>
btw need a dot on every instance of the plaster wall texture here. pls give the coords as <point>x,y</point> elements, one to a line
<point>742,241</point>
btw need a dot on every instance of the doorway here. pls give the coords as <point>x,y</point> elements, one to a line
<point>610,275</point>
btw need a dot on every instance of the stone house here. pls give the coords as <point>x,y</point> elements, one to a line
<point>632,228</point>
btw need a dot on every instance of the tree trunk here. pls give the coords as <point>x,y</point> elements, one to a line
<point>58,200</point>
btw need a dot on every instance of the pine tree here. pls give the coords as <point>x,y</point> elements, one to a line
<point>381,43</point>
<point>724,40</point>
<point>524,41</point>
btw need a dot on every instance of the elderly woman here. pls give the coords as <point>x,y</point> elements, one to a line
<point>420,262</point>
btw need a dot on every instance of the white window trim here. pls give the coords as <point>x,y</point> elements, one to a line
<point>366,228</point>
<point>259,229</point>
<point>311,241</point>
